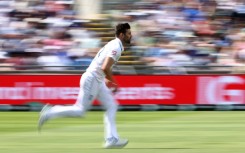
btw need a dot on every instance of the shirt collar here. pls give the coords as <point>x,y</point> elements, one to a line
<point>120,43</point>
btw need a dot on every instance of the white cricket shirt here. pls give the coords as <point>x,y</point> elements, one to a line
<point>112,49</point>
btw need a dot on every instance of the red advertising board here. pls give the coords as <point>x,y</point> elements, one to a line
<point>134,90</point>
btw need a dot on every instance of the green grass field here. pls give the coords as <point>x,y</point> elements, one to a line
<point>148,132</point>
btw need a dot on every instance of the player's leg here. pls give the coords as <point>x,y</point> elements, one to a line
<point>88,91</point>
<point>106,98</point>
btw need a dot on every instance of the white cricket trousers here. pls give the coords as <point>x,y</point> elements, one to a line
<point>90,89</point>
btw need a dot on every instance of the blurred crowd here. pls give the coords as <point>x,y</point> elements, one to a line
<point>40,34</point>
<point>165,33</point>
<point>187,32</point>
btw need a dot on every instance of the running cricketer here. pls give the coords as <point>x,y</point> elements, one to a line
<point>96,83</point>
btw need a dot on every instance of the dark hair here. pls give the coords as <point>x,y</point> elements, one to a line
<point>122,28</point>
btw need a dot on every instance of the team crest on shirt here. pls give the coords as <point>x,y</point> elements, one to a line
<point>114,52</point>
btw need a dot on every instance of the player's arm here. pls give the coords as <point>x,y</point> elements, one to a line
<point>107,69</point>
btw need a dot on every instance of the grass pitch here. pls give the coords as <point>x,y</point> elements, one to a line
<point>148,132</point>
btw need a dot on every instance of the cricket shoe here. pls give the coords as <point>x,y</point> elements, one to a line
<point>114,143</point>
<point>43,118</point>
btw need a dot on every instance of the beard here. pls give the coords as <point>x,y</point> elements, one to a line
<point>127,41</point>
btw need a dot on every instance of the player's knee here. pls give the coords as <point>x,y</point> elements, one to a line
<point>111,107</point>
<point>114,106</point>
<point>80,111</point>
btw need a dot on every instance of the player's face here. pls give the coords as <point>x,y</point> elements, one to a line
<point>127,36</point>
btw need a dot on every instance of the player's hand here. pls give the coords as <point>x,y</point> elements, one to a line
<point>112,86</point>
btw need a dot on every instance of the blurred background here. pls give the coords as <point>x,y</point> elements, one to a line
<point>45,46</point>
<point>169,36</point>
<point>179,37</point>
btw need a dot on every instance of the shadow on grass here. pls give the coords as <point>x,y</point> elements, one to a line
<point>141,148</point>
<point>159,148</point>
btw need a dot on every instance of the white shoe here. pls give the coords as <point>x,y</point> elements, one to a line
<point>115,143</point>
<point>43,116</point>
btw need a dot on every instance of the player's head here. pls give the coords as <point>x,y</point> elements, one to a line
<point>123,32</point>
